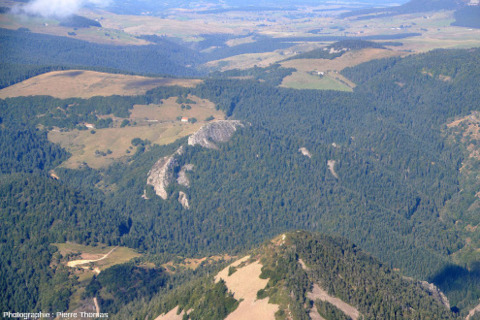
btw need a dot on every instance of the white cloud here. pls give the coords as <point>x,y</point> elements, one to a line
<point>59,8</point>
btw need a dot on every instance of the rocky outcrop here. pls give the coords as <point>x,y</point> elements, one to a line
<point>436,293</point>
<point>183,199</point>
<point>218,131</point>
<point>162,173</point>
<point>331,167</point>
<point>182,178</point>
<point>305,152</point>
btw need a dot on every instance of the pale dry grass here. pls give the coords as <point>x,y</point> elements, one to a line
<point>244,284</point>
<point>95,259</point>
<point>332,79</point>
<point>139,25</point>
<point>239,41</point>
<point>157,123</point>
<point>248,60</point>
<point>169,110</point>
<point>51,27</point>
<point>319,293</point>
<point>305,80</point>
<point>82,144</point>
<point>349,59</point>
<point>86,84</point>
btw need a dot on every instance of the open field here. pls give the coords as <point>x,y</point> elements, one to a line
<point>304,80</point>
<point>86,84</point>
<point>323,74</point>
<point>349,59</point>
<point>82,144</point>
<point>169,110</point>
<point>94,259</point>
<point>187,28</point>
<point>248,60</point>
<point>157,123</point>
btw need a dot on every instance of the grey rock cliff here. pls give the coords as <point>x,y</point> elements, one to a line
<point>218,131</point>
<point>162,173</point>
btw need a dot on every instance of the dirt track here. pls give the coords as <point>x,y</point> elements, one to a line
<point>76,263</point>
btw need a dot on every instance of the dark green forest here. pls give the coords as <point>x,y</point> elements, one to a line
<point>396,171</point>
<point>167,57</point>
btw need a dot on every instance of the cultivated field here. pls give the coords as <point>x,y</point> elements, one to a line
<point>86,84</point>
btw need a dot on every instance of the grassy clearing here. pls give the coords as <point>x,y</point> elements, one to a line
<point>249,60</point>
<point>86,84</point>
<point>169,110</point>
<point>244,283</point>
<point>303,80</point>
<point>348,59</point>
<point>82,144</point>
<point>70,247</point>
<point>239,41</point>
<point>157,123</point>
<point>86,271</point>
<point>117,256</point>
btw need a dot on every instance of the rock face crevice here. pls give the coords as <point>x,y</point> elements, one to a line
<point>218,131</point>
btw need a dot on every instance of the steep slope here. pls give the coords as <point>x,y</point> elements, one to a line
<point>300,275</point>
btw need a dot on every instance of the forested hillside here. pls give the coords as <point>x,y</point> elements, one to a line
<point>296,266</point>
<point>379,171</point>
<point>165,57</point>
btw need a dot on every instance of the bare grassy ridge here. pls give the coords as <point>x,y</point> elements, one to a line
<point>244,284</point>
<point>86,84</point>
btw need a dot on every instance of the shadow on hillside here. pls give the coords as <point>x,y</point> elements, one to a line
<point>460,285</point>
